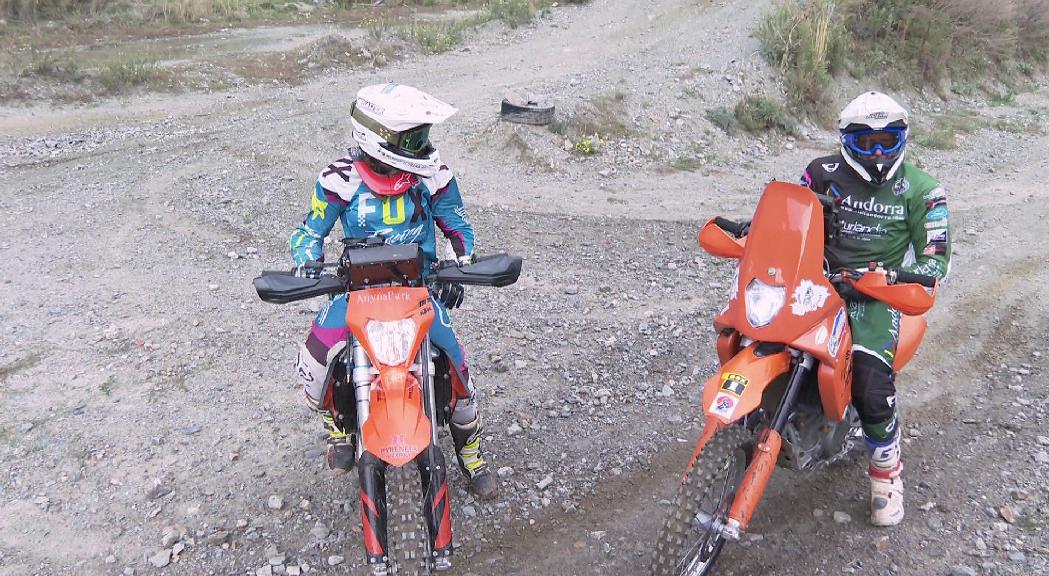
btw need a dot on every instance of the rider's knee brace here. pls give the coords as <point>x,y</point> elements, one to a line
<point>314,366</point>
<point>465,413</point>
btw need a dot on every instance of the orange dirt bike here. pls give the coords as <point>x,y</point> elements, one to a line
<point>783,393</point>
<point>387,388</point>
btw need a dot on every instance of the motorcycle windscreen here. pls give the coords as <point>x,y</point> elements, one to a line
<point>782,291</point>
<point>397,429</point>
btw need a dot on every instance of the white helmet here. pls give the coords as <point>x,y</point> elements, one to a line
<point>874,130</point>
<point>391,123</point>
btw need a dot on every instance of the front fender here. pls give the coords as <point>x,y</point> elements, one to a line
<point>737,389</point>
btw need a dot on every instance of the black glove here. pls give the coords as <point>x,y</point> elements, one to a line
<point>846,290</point>
<point>450,294</point>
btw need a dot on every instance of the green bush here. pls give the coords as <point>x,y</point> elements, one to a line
<point>759,114</point>
<point>806,40</point>
<point>918,43</point>
<point>513,12</point>
<point>725,119</point>
<point>49,66</point>
<point>123,75</point>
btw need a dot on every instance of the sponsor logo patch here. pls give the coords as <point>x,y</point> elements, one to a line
<point>901,186</point>
<point>937,213</point>
<point>936,224</point>
<point>808,297</point>
<point>872,207</point>
<point>734,384</point>
<point>936,237</point>
<point>937,193</point>
<point>831,168</point>
<point>938,249</point>
<point>836,333</point>
<point>724,405</point>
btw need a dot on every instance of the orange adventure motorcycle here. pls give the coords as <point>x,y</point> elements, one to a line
<point>783,393</point>
<point>386,388</point>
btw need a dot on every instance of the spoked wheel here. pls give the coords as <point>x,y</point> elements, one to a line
<point>408,541</point>
<point>691,541</point>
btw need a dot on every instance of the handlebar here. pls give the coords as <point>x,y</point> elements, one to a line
<point>281,287</point>
<point>912,278</point>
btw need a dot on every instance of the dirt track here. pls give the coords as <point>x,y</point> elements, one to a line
<point>145,389</point>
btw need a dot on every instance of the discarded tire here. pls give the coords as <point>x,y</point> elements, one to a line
<point>523,110</point>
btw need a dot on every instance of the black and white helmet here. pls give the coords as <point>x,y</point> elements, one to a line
<point>391,123</point>
<point>874,130</point>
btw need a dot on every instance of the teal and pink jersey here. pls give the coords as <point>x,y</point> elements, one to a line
<point>403,209</point>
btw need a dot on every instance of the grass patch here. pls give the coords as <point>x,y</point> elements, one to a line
<point>1006,98</point>
<point>106,387</point>
<point>19,365</point>
<point>513,12</point>
<point>725,119</point>
<point>758,114</point>
<point>437,37</point>
<point>47,65</point>
<point>905,43</point>
<point>108,12</point>
<point>122,76</point>
<point>945,129</point>
<point>594,121</point>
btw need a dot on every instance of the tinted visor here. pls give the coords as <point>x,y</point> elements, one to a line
<point>414,142</point>
<point>867,142</point>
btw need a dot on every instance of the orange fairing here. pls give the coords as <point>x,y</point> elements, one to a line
<point>911,299</point>
<point>784,252</point>
<point>397,428</point>
<point>830,342</point>
<point>720,243</point>
<point>912,330</point>
<point>737,389</point>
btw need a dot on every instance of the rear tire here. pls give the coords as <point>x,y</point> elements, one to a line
<point>684,549</point>
<point>407,539</point>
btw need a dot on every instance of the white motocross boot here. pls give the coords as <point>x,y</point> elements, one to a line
<point>886,481</point>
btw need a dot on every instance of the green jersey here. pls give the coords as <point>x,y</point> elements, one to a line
<point>901,224</point>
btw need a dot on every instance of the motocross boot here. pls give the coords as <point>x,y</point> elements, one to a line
<point>467,440</point>
<point>886,481</point>
<point>342,447</point>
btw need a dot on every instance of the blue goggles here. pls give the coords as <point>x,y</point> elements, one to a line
<point>868,142</point>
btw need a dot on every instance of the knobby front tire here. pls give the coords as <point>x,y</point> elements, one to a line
<point>683,549</point>
<point>408,541</point>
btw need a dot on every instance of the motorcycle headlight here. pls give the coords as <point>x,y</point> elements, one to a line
<point>391,342</point>
<point>763,302</point>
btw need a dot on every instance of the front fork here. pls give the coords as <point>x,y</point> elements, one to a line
<point>433,472</point>
<point>763,462</point>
